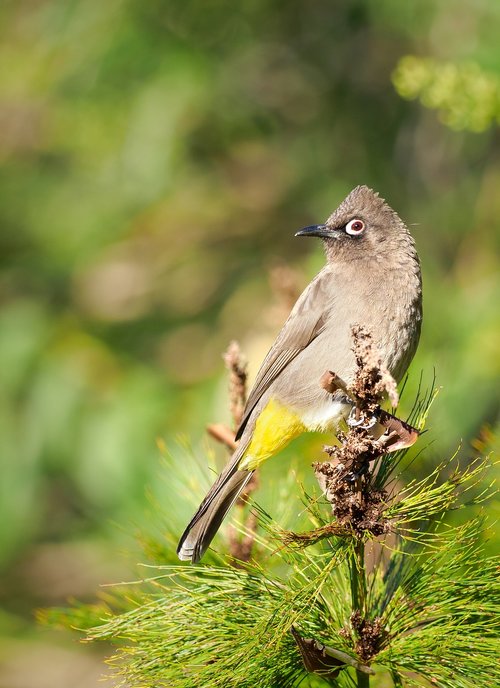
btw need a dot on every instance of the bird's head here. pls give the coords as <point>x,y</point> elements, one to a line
<point>363,224</point>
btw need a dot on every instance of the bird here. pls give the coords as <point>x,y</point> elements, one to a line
<point>372,278</point>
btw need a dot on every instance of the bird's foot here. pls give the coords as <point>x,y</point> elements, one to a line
<point>360,419</point>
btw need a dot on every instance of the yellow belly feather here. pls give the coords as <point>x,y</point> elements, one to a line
<point>275,427</point>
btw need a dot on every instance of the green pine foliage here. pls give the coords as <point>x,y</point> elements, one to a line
<point>416,606</point>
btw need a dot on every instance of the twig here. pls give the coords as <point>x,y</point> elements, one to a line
<point>311,537</point>
<point>237,367</point>
<point>324,660</point>
<point>331,382</point>
<point>222,434</point>
<point>240,548</point>
<point>373,379</point>
<point>358,595</point>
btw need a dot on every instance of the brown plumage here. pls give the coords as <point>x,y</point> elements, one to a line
<point>371,278</point>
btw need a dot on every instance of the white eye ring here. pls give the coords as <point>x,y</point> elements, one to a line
<point>355,227</point>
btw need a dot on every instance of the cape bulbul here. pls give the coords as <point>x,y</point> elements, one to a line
<point>371,278</point>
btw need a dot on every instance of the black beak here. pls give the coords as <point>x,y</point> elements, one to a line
<point>316,231</point>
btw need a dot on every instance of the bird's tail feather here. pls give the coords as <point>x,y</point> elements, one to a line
<point>211,512</point>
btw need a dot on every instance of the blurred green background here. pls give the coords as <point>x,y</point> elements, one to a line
<point>156,159</point>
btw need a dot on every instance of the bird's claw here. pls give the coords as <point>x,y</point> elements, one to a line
<point>363,421</point>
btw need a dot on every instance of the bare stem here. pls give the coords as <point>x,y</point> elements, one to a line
<point>239,547</point>
<point>363,679</point>
<point>237,367</point>
<point>359,594</point>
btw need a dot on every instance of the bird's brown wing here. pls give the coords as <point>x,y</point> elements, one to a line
<point>303,325</point>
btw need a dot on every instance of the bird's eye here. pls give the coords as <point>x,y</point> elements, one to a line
<point>355,227</point>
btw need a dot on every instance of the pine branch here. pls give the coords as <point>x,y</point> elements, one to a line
<point>310,608</point>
